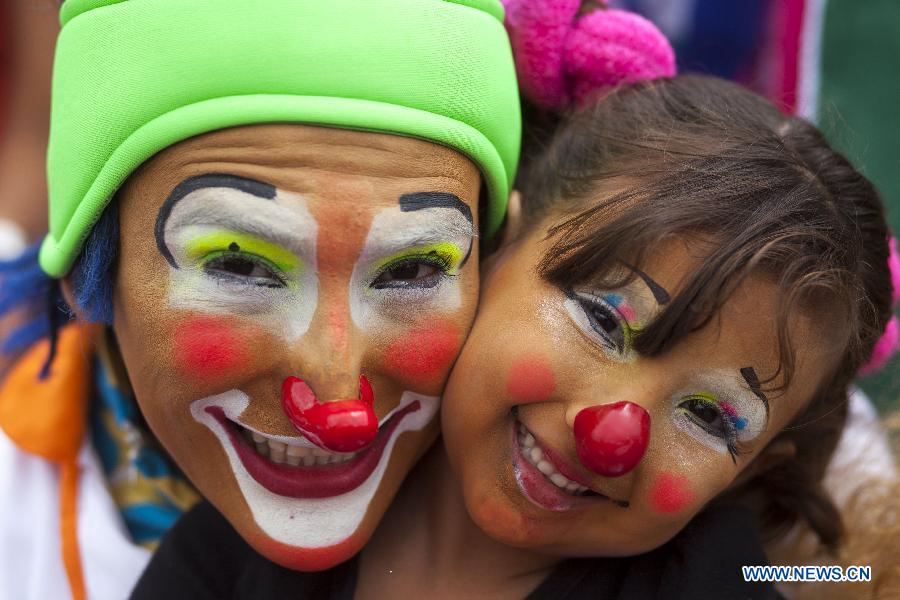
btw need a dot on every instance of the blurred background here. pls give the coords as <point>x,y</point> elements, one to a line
<point>834,62</point>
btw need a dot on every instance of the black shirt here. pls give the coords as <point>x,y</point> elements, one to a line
<point>202,557</point>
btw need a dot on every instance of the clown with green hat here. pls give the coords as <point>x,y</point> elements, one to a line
<point>270,214</point>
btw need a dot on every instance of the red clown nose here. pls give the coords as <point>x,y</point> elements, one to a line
<point>612,438</point>
<point>338,426</point>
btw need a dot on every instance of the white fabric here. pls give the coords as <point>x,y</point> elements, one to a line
<point>30,553</point>
<point>12,240</point>
<point>862,458</point>
<point>863,455</point>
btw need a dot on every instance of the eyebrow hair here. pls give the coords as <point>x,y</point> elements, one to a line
<point>660,294</point>
<point>426,200</point>
<point>749,375</point>
<point>198,182</point>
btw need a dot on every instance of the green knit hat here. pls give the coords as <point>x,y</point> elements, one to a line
<point>135,76</point>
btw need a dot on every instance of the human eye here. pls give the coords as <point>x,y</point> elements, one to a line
<point>419,268</point>
<point>715,417</point>
<point>241,259</point>
<point>604,317</point>
<point>243,268</point>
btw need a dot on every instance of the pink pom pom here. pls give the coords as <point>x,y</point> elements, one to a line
<point>894,264</point>
<point>884,349</point>
<point>564,61</point>
<point>537,31</point>
<point>610,47</point>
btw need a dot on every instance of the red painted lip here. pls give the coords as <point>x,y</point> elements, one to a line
<point>543,492</point>
<point>533,484</point>
<point>322,481</point>
<point>566,469</point>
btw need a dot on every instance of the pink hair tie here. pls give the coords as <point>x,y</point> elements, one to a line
<point>564,60</point>
<point>889,342</point>
<point>894,264</point>
<point>887,345</point>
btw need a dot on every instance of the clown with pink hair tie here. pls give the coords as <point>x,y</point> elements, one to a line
<point>662,359</point>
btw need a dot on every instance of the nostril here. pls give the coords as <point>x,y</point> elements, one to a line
<point>339,425</point>
<point>611,438</point>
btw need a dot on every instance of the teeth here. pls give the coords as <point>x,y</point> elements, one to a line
<point>535,456</point>
<point>281,453</point>
<point>559,480</point>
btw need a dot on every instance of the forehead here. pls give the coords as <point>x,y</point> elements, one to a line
<point>363,168</point>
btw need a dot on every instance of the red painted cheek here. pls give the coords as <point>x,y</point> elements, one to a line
<point>671,493</point>
<point>425,353</point>
<point>530,379</point>
<point>208,347</point>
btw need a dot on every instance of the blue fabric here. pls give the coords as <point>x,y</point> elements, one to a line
<point>25,286</point>
<point>147,522</point>
<point>710,36</point>
<point>150,492</point>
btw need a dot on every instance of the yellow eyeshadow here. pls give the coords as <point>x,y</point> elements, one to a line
<point>707,396</point>
<point>629,331</point>
<point>448,252</point>
<point>232,241</point>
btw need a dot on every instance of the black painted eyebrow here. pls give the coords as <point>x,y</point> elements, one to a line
<point>259,189</point>
<point>659,292</point>
<point>425,200</point>
<point>752,380</point>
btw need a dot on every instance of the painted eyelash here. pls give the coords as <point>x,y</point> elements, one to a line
<point>734,446</point>
<point>594,302</point>
<point>729,422</point>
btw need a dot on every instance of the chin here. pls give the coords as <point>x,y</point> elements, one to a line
<point>307,559</point>
<point>307,515</point>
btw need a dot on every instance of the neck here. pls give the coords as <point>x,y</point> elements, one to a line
<point>427,537</point>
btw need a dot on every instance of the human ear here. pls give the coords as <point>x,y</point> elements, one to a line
<point>68,293</point>
<point>512,226</point>
<point>772,455</point>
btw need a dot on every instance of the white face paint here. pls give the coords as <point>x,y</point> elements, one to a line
<point>444,234</point>
<point>308,522</point>
<point>254,256</point>
<point>742,414</point>
<point>282,226</point>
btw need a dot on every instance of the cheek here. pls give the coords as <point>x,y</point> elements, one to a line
<point>671,493</point>
<point>530,380</point>
<point>424,354</point>
<point>209,347</point>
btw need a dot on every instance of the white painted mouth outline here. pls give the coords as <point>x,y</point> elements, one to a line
<point>308,522</point>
